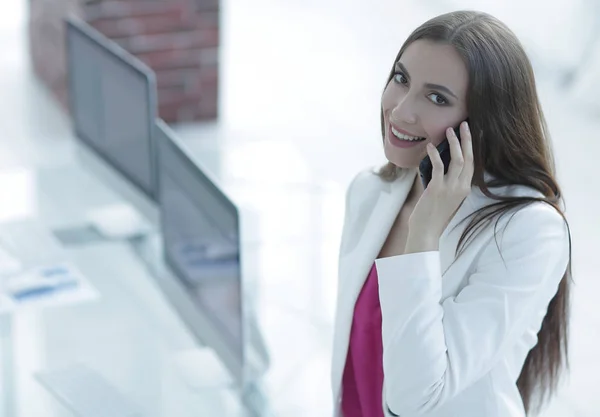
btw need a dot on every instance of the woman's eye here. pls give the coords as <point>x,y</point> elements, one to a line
<point>438,99</point>
<point>400,78</point>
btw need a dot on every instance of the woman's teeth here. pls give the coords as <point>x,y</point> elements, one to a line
<point>402,136</point>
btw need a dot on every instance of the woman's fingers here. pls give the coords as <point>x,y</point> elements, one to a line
<point>456,155</point>
<point>437,174</point>
<point>466,175</point>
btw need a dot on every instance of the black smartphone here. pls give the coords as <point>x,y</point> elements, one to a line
<point>425,167</point>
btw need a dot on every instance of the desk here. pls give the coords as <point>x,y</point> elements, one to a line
<point>130,336</point>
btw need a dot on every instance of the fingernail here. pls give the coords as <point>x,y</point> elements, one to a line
<point>466,125</point>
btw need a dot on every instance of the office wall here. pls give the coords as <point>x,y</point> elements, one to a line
<point>178,39</point>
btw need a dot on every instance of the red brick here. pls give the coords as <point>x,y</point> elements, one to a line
<point>168,112</point>
<point>209,75</point>
<point>202,79</point>
<point>194,83</point>
<point>168,41</point>
<point>152,25</point>
<point>172,21</point>
<point>171,96</point>
<point>120,9</point>
<point>173,113</point>
<point>209,57</point>
<point>108,27</point>
<point>175,78</point>
<point>187,114</point>
<point>209,94</point>
<point>173,59</point>
<point>208,111</point>
<point>206,5</point>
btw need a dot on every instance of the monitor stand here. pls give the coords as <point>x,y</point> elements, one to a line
<point>119,221</point>
<point>200,368</point>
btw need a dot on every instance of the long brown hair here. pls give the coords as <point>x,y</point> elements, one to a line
<point>511,142</point>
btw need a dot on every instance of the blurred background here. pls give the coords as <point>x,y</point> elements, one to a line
<point>277,103</point>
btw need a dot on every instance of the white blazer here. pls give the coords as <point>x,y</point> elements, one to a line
<point>456,332</point>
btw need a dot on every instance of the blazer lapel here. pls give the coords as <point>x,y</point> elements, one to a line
<point>367,232</point>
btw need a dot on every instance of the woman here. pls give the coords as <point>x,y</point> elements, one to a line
<point>453,299</point>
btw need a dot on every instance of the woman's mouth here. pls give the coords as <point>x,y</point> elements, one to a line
<point>401,140</point>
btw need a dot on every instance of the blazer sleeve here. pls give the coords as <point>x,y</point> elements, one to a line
<point>434,349</point>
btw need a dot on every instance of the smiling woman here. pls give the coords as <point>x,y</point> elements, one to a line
<point>435,316</point>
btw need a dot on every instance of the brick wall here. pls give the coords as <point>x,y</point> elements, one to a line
<point>46,43</point>
<point>178,39</point>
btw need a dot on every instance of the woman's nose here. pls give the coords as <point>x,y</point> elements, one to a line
<point>404,111</point>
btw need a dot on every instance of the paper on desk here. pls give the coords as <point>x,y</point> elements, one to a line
<point>47,286</point>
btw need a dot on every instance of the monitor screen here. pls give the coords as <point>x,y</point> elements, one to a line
<point>113,103</point>
<point>200,228</point>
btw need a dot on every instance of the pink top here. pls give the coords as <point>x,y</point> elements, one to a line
<point>362,383</point>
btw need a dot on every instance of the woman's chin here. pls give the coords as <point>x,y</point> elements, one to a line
<point>401,161</point>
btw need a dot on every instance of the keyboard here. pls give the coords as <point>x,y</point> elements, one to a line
<point>87,393</point>
<point>30,242</point>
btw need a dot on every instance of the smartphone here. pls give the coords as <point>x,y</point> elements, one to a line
<point>425,167</point>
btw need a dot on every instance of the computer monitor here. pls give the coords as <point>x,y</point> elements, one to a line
<point>200,228</point>
<point>113,104</point>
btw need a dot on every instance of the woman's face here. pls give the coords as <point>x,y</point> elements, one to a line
<point>426,96</point>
